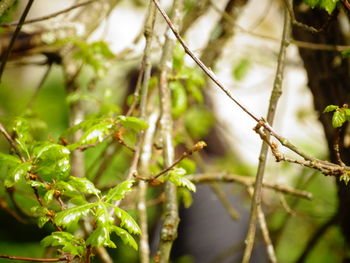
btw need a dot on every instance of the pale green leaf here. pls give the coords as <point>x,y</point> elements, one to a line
<point>17,173</point>
<point>134,123</point>
<point>127,221</point>
<point>84,185</point>
<point>118,192</point>
<point>100,238</point>
<point>338,119</point>
<point>330,108</point>
<point>125,237</point>
<point>70,243</point>
<point>72,215</point>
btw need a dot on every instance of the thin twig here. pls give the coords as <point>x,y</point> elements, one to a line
<point>14,37</point>
<point>207,71</point>
<point>265,231</point>
<point>275,95</point>
<point>35,259</point>
<point>12,142</point>
<point>42,18</point>
<point>246,181</point>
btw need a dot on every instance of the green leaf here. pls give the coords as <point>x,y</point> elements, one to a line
<point>185,196</point>
<point>52,161</point>
<point>176,177</point>
<point>330,108</point>
<point>22,129</point>
<point>100,238</point>
<point>66,188</point>
<point>347,113</point>
<point>39,210</point>
<point>125,237</point>
<point>118,192</point>
<point>199,120</point>
<point>189,165</point>
<point>48,197</point>
<point>312,3</point>
<point>134,123</point>
<point>102,215</point>
<point>17,173</point>
<point>8,159</point>
<point>241,70</point>
<point>70,244</point>
<point>328,5</point>
<point>178,57</point>
<point>179,98</point>
<point>127,221</point>
<point>96,133</point>
<point>72,215</point>
<point>84,185</point>
<point>195,91</point>
<point>338,119</point>
<point>43,220</point>
<point>345,53</point>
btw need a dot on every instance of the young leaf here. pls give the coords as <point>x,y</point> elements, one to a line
<point>72,215</point>
<point>84,185</point>
<point>43,220</point>
<point>17,173</point>
<point>127,221</point>
<point>52,161</point>
<point>49,196</point>
<point>179,98</point>
<point>96,133</point>
<point>134,123</point>
<point>330,108</point>
<point>241,70</point>
<point>102,215</point>
<point>312,3</point>
<point>328,5</point>
<point>118,192</point>
<point>176,177</point>
<point>70,244</point>
<point>338,119</point>
<point>125,237</point>
<point>100,238</point>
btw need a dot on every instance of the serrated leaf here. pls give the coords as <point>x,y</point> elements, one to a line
<point>125,237</point>
<point>52,161</point>
<point>72,215</point>
<point>96,133</point>
<point>127,221</point>
<point>102,215</point>
<point>338,119</point>
<point>118,192</point>
<point>176,177</point>
<point>179,99</point>
<point>330,108</point>
<point>100,238</point>
<point>69,243</point>
<point>43,220</point>
<point>17,173</point>
<point>22,129</point>
<point>84,185</point>
<point>134,123</point>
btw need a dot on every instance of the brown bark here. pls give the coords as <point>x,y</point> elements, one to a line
<point>329,82</point>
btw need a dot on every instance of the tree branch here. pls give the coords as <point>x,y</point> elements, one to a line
<point>275,95</point>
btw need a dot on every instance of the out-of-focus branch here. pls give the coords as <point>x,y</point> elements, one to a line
<point>248,182</point>
<point>168,232</point>
<point>275,95</point>
<point>39,19</point>
<point>7,53</point>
